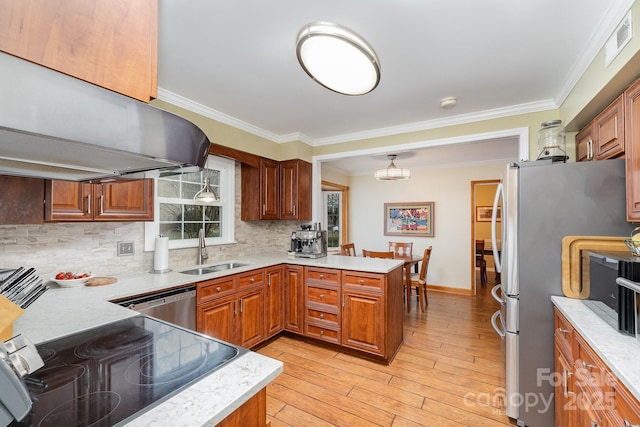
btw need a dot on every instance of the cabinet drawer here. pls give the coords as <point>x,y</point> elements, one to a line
<point>322,333</point>
<point>589,370</point>
<point>322,295</point>
<point>252,278</point>
<point>363,281</point>
<point>212,289</point>
<point>563,332</point>
<point>323,316</point>
<point>625,408</point>
<point>323,275</point>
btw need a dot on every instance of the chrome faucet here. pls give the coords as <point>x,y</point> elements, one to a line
<point>202,247</point>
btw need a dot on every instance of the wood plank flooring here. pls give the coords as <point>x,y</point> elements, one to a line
<point>449,372</point>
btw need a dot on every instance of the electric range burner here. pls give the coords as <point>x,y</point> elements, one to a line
<point>111,374</point>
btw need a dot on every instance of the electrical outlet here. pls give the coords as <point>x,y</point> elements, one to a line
<point>125,248</point>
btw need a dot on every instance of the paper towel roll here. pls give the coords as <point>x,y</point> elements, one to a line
<point>161,254</point>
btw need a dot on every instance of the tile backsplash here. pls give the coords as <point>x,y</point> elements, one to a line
<point>92,246</point>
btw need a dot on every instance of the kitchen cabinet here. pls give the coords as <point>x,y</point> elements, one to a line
<point>115,201</point>
<point>274,304</point>
<point>632,136</point>
<point>231,308</point>
<point>21,200</point>
<point>363,311</point>
<point>322,304</point>
<point>113,44</point>
<point>252,413</point>
<point>604,137</point>
<point>587,392</point>
<point>294,299</point>
<point>276,190</point>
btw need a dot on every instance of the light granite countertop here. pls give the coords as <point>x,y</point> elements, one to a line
<point>619,351</point>
<point>63,311</point>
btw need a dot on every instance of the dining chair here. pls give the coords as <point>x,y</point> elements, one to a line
<point>377,254</point>
<point>348,249</point>
<point>481,262</point>
<point>419,280</point>
<point>401,248</point>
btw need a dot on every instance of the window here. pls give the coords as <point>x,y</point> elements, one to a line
<point>178,217</point>
<point>332,217</point>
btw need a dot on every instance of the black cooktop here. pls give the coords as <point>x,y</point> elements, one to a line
<point>107,375</point>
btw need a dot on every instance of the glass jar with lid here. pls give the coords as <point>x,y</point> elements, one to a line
<point>552,142</point>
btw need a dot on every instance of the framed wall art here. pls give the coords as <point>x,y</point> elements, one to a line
<point>408,219</point>
<point>483,213</point>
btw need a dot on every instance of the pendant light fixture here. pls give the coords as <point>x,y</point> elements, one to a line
<point>206,195</point>
<point>338,58</point>
<point>392,172</point>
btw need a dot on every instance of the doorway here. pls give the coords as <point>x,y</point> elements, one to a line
<point>335,209</point>
<point>482,196</point>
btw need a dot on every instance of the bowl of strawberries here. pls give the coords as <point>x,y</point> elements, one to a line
<point>67,279</point>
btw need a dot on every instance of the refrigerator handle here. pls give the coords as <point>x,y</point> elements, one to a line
<point>494,294</point>
<point>494,320</point>
<point>494,224</point>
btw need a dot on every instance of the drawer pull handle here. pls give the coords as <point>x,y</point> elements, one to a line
<point>218,289</point>
<point>594,423</point>
<point>361,282</point>
<point>628,424</point>
<point>563,331</point>
<point>322,315</point>
<point>565,380</point>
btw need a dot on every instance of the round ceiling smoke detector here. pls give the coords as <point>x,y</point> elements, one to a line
<point>448,102</point>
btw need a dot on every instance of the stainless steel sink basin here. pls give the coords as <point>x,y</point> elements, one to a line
<point>213,268</point>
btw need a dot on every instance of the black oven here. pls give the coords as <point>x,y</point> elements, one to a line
<point>615,300</point>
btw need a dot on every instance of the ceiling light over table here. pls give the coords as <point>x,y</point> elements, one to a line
<point>392,172</point>
<point>338,58</point>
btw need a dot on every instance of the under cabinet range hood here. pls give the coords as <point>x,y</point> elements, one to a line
<point>55,126</point>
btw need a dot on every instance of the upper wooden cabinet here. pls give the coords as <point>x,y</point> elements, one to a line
<point>113,44</point>
<point>276,190</point>
<point>632,136</point>
<point>119,201</point>
<point>603,138</point>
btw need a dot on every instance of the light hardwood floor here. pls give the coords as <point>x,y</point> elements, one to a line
<point>448,372</point>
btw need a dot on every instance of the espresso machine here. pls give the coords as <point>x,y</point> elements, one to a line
<point>309,242</point>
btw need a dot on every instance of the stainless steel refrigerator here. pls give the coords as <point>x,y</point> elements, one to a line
<point>542,203</point>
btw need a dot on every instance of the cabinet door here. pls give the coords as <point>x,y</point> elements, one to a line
<point>69,201</point>
<point>113,44</point>
<point>269,189</point>
<point>21,200</point>
<point>217,319</point>
<point>294,299</point>
<point>362,322</point>
<point>274,307</point>
<point>565,398</point>
<point>124,201</point>
<point>584,144</point>
<point>632,136</point>
<point>295,190</point>
<point>252,413</point>
<point>251,317</point>
<point>608,127</point>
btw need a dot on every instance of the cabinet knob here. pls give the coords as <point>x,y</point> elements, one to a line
<point>321,276</point>
<point>321,296</point>
<point>251,280</point>
<point>321,332</point>
<point>628,424</point>
<point>585,365</point>
<point>322,315</point>
<point>218,289</point>
<point>361,282</point>
<point>563,331</point>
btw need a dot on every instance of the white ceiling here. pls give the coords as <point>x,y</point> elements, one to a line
<point>235,61</point>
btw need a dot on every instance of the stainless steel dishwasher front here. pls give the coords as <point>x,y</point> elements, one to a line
<point>177,306</point>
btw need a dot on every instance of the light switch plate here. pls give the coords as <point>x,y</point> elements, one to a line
<point>125,248</point>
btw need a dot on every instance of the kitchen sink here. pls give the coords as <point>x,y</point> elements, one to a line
<point>213,268</point>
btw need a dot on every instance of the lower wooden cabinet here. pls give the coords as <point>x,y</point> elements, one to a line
<point>294,299</point>
<point>362,322</point>
<point>587,392</point>
<point>274,304</point>
<point>252,413</point>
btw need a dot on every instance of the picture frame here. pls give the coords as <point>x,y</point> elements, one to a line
<point>409,219</point>
<point>483,213</point>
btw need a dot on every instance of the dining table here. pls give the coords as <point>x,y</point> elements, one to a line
<point>409,261</point>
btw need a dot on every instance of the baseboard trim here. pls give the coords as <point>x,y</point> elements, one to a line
<point>458,291</point>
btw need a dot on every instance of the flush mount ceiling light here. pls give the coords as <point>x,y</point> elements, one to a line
<point>206,195</point>
<point>392,172</point>
<point>338,58</point>
<point>448,102</point>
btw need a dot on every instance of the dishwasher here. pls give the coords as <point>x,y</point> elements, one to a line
<point>177,306</point>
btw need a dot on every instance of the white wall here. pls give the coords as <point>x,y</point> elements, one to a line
<point>450,189</point>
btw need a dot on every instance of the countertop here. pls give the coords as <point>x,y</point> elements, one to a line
<point>620,352</point>
<point>62,311</point>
